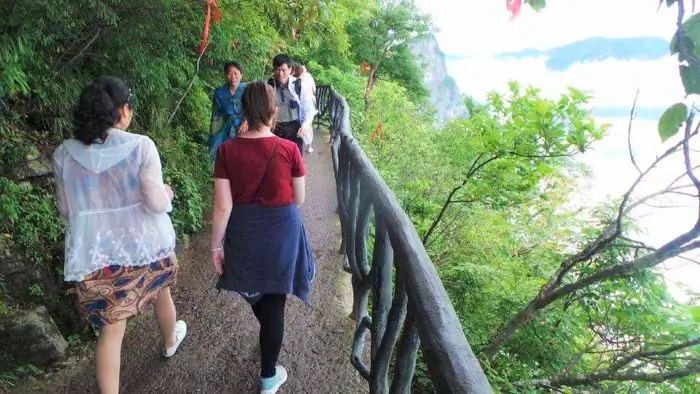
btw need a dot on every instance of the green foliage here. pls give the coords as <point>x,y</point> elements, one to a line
<point>74,340</point>
<point>402,68</point>
<point>380,35</point>
<point>381,29</point>
<point>537,5</point>
<point>187,205</point>
<point>13,146</point>
<point>187,169</point>
<point>346,81</point>
<point>7,380</point>
<point>35,290</point>
<point>4,307</point>
<point>688,50</point>
<point>30,221</point>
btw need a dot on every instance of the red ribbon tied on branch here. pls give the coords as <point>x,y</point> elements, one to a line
<point>514,7</point>
<point>207,20</point>
<point>365,68</point>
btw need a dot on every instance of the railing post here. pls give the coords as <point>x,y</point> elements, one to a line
<point>381,277</point>
<point>406,357</point>
<point>379,373</point>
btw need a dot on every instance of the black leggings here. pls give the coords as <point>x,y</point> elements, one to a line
<point>270,313</point>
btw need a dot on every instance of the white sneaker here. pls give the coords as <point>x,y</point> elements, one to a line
<point>180,334</point>
<point>272,384</point>
<point>310,149</point>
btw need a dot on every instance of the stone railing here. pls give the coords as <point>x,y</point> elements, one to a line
<point>410,307</point>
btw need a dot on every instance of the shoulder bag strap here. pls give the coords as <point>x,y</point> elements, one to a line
<point>262,180</point>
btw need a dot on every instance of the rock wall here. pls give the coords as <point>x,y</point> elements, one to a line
<point>31,336</point>
<point>32,296</point>
<point>444,93</point>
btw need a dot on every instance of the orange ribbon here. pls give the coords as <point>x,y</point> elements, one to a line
<point>365,68</point>
<point>207,20</point>
<point>378,132</point>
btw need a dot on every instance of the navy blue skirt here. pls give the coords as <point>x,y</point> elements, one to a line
<point>266,251</point>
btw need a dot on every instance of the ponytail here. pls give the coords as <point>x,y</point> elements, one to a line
<point>98,109</point>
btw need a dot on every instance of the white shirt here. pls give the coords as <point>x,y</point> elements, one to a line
<point>307,109</point>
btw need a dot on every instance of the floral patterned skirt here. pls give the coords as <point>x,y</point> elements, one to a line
<point>116,293</point>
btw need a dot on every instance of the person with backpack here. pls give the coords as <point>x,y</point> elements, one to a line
<point>295,107</point>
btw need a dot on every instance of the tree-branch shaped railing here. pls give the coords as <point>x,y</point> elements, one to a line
<point>419,312</point>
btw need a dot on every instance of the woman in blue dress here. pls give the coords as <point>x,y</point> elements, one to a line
<point>227,112</point>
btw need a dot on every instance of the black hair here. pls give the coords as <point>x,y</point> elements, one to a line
<point>98,109</point>
<point>282,59</point>
<point>232,63</point>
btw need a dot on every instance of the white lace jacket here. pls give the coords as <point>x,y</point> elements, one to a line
<point>115,203</point>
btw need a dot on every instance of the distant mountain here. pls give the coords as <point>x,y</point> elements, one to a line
<point>444,93</point>
<point>596,49</point>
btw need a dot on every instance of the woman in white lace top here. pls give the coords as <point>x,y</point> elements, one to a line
<point>120,241</point>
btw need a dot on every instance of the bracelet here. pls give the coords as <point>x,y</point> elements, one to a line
<point>221,249</point>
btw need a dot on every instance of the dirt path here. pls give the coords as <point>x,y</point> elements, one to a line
<point>221,352</point>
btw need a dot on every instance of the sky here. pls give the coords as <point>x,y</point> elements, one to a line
<point>472,33</point>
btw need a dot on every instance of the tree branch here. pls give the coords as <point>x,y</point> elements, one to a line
<point>196,71</point>
<point>543,156</point>
<point>629,132</point>
<point>475,166</point>
<point>609,234</point>
<point>648,197</point>
<point>596,378</point>
<point>627,195</point>
<point>673,248</point>
<point>79,53</point>
<point>686,154</point>
<point>663,352</point>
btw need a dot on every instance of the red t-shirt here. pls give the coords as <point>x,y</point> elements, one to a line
<point>243,160</point>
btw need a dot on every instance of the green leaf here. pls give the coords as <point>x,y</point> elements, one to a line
<point>671,120</point>
<point>695,313</point>
<point>537,5</point>
<point>690,75</point>
<point>690,38</point>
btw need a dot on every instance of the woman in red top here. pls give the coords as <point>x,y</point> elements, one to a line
<point>259,245</point>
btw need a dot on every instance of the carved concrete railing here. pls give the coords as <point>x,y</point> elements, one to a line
<point>418,312</point>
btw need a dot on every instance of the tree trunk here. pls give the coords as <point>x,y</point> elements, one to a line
<point>513,325</point>
<point>597,378</point>
<point>371,82</point>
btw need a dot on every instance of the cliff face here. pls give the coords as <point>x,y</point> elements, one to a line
<point>444,93</point>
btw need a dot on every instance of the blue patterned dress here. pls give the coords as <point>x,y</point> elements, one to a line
<point>227,116</point>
